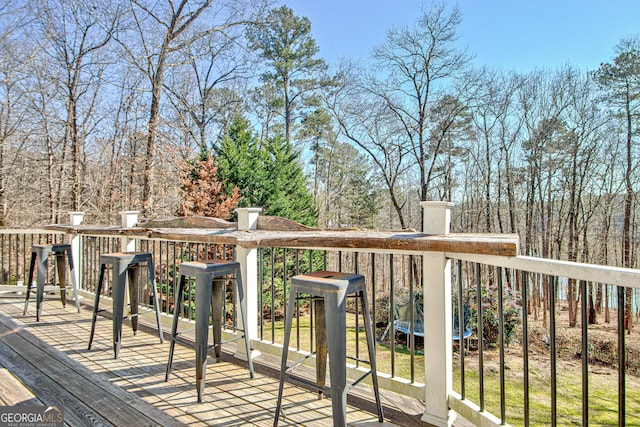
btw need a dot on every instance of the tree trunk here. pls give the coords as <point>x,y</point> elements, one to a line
<point>628,201</point>
<point>152,134</point>
<point>592,311</point>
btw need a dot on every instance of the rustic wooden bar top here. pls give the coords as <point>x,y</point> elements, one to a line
<point>276,232</point>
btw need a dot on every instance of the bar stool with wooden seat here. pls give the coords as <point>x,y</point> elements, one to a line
<point>329,291</point>
<point>126,267</point>
<point>41,253</point>
<point>209,301</point>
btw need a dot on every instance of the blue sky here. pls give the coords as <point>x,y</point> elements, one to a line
<point>519,34</point>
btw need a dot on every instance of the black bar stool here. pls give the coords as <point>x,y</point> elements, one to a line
<point>126,265</point>
<point>209,296</point>
<point>41,254</point>
<point>329,291</point>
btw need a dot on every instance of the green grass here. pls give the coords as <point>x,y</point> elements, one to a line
<point>603,382</point>
<point>402,368</point>
<point>603,394</point>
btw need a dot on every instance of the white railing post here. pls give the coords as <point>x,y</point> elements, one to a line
<point>76,218</point>
<point>128,219</point>
<point>248,259</point>
<point>437,319</point>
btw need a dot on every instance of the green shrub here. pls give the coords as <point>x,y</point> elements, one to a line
<point>490,314</point>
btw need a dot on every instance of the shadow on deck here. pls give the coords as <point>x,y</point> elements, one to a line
<point>47,363</point>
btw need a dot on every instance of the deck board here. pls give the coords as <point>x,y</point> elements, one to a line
<point>50,392</point>
<point>50,359</point>
<point>13,392</point>
<point>73,386</point>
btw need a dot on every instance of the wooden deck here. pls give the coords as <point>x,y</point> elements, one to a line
<point>47,363</point>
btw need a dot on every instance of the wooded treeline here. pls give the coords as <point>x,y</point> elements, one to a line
<point>104,103</point>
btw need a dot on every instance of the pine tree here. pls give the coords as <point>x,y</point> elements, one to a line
<point>289,50</point>
<point>621,80</point>
<point>240,162</point>
<point>268,176</point>
<point>288,194</point>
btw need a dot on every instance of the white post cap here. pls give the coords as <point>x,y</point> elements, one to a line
<point>436,217</point>
<point>248,218</point>
<point>76,218</point>
<point>129,218</point>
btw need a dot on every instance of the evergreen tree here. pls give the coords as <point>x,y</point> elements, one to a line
<point>363,200</point>
<point>268,176</point>
<point>241,162</point>
<point>621,81</point>
<point>288,194</point>
<point>347,189</point>
<point>287,47</point>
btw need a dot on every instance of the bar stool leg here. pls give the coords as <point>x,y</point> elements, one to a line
<point>204,291</point>
<point>43,268</point>
<point>174,329</point>
<point>243,316</point>
<point>118,283</point>
<point>321,346</point>
<point>151,271</point>
<point>62,279</point>
<point>133,274</point>
<point>32,267</point>
<point>95,303</point>
<point>285,351</point>
<point>372,352</point>
<point>74,283</point>
<point>336,322</point>
<point>217,300</point>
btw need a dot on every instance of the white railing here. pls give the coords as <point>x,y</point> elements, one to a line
<point>616,279</point>
<point>437,387</point>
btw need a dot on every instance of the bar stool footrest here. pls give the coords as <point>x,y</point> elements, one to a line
<point>181,340</point>
<point>358,360</point>
<point>299,361</point>
<point>356,382</point>
<point>311,384</point>
<point>219,344</point>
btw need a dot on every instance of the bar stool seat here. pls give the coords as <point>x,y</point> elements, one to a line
<point>209,301</point>
<point>329,291</point>
<point>41,253</point>
<point>126,267</point>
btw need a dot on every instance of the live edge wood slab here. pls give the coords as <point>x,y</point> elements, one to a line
<point>279,232</point>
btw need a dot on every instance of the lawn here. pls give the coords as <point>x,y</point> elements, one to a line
<point>603,381</point>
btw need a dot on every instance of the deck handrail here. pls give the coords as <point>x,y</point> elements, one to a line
<point>619,276</point>
<point>437,250</point>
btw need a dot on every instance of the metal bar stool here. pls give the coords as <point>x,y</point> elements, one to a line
<point>41,254</point>
<point>329,291</point>
<point>209,296</point>
<point>126,266</point>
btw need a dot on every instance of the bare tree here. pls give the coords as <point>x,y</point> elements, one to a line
<point>621,79</point>
<point>73,33</point>
<point>498,127</point>
<point>13,98</point>
<point>162,29</point>
<point>207,92</point>
<point>417,63</point>
<point>541,102</point>
<point>577,146</point>
<point>373,128</point>
<point>611,204</point>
